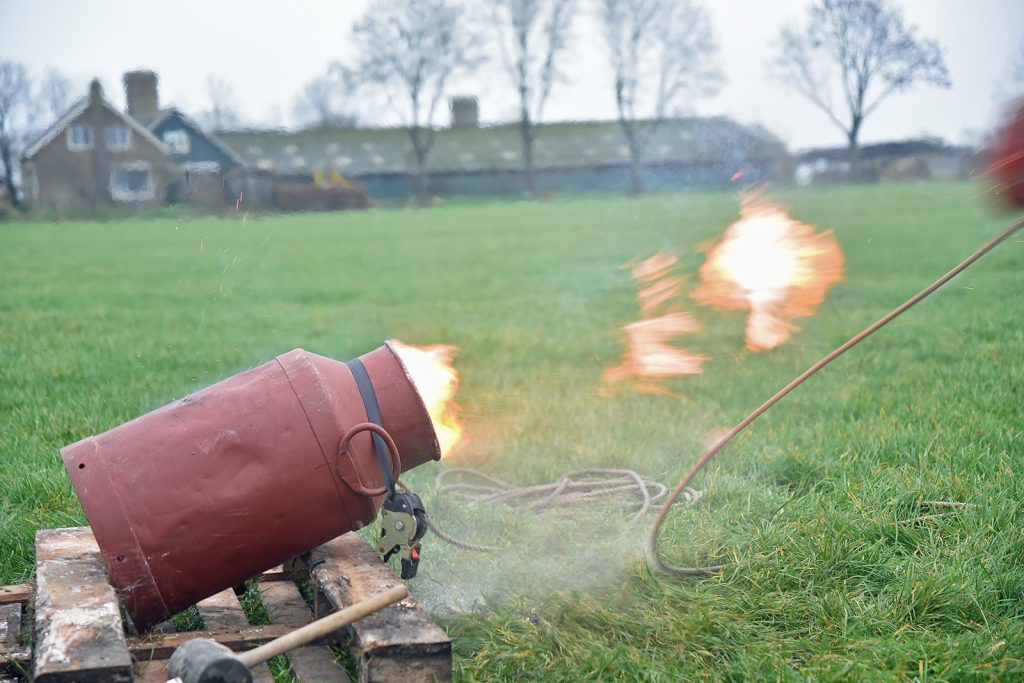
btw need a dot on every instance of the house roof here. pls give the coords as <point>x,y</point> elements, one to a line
<point>372,151</point>
<point>56,127</point>
<point>77,110</point>
<point>155,119</point>
<point>162,115</point>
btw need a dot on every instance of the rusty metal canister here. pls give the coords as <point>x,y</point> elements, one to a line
<point>232,480</point>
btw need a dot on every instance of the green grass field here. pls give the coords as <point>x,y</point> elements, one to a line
<point>100,322</point>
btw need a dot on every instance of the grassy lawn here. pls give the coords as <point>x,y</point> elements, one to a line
<point>100,322</point>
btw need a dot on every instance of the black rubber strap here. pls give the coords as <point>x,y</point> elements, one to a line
<point>373,415</point>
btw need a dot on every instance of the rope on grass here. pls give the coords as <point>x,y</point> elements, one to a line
<point>653,559</point>
<point>567,490</point>
<point>581,487</point>
<point>940,515</point>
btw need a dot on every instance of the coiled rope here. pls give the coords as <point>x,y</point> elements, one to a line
<point>588,486</point>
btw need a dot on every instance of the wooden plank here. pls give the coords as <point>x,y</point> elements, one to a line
<point>154,671</point>
<point>14,657</point>
<point>399,643</point>
<point>161,646</point>
<point>284,605</point>
<point>15,661</point>
<point>79,635</point>
<point>10,641</point>
<point>10,626</point>
<point>275,574</point>
<point>19,592</point>
<point>261,674</point>
<point>223,611</point>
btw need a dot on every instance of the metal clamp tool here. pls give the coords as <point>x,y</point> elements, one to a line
<point>403,522</point>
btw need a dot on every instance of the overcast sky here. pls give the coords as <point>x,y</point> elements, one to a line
<point>267,50</point>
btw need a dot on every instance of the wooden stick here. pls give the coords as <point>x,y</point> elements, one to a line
<point>322,627</point>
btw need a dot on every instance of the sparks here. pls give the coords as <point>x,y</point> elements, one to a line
<point>649,356</point>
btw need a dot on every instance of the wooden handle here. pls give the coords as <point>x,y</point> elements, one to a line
<point>322,627</point>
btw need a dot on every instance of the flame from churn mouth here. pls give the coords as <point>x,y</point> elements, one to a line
<point>777,268</point>
<point>434,375</point>
<point>649,356</point>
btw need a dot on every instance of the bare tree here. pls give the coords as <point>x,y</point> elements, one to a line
<point>320,103</point>
<point>15,121</point>
<point>222,113</point>
<point>55,92</point>
<point>412,49</point>
<point>663,56</point>
<point>532,37</point>
<point>862,49</point>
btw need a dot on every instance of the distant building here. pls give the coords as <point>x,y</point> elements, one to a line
<point>202,158</point>
<point>924,159</point>
<point>95,155</point>
<point>467,159</point>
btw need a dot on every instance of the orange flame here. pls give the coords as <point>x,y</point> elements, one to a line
<point>649,356</point>
<point>778,268</point>
<point>435,377</point>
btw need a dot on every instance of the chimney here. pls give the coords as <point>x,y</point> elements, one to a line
<point>95,93</point>
<point>140,93</point>
<point>465,112</point>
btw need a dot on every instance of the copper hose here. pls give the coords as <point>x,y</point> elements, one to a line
<point>653,560</point>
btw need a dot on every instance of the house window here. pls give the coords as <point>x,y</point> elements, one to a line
<point>131,182</point>
<point>118,137</point>
<point>80,137</point>
<point>177,141</point>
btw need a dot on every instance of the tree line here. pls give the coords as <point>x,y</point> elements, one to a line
<point>661,56</point>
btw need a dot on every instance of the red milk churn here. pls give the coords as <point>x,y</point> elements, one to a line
<point>230,481</point>
<point>1006,157</point>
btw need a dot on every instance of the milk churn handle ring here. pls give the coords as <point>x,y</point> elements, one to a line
<point>388,469</point>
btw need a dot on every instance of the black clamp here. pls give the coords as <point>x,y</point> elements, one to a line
<point>403,522</point>
<point>403,519</point>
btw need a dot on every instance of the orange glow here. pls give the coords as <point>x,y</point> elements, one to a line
<point>777,268</point>
<point>649,356</point>
<point>435,377</point>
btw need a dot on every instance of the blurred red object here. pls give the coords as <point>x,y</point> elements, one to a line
<point>1006,157</point>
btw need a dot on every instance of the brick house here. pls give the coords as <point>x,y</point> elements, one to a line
<point>202,159</point>
<point>95,155</point>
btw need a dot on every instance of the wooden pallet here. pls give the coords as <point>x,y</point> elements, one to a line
<point>79,636</point>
